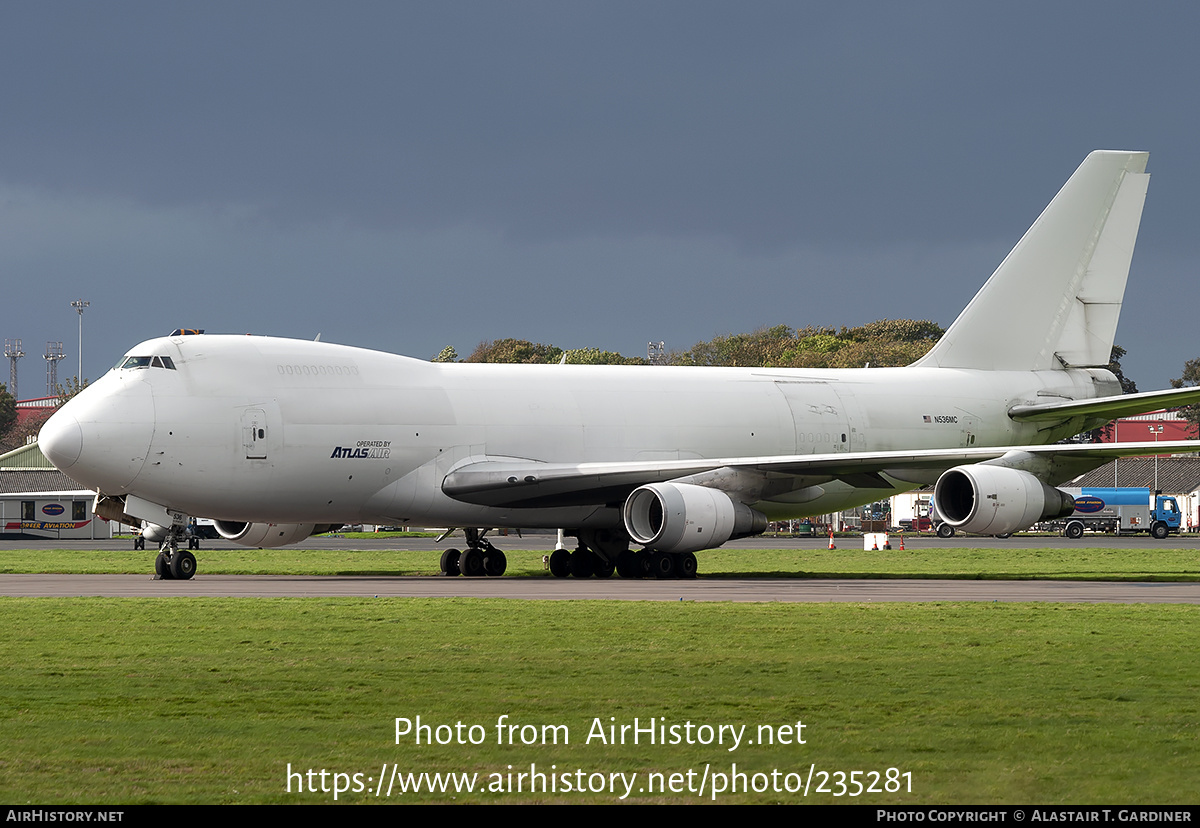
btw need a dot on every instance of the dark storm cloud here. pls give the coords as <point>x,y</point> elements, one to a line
<point>609,172</point>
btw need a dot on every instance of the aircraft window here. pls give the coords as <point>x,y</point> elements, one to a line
<point>148,362</point>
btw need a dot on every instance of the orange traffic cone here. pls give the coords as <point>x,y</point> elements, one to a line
<point>901,541</point>
<point>831,546</point>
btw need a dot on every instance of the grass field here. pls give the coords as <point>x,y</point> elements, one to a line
<point>1167,564</point>
<point>205,700</point>
<point>209,700</point>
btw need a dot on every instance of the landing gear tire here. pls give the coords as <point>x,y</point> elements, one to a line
<point>945,530</point>
<point>560,563</point>
<point>1159,530</point>
<point>645,563</point>
<point>1074,530</point>
<point>449,563</point>
<point>494,562</point>
<point>628,565</point>
<point>139,542</point>
<point>662,565</point>
<point>470,563</point>
<point>1003,535</point>
<point>162,568</point>
<point>602,567</point>
<point>685,565</point>
<point>581,562</point>
<point>183,565</point>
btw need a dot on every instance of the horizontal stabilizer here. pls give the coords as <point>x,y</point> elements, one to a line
<point>1108,408</point>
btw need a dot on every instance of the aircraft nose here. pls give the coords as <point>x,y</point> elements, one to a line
<point>102,436</point>
<point>61,440</point>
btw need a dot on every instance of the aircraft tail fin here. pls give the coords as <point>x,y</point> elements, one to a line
<point>1055,299</point>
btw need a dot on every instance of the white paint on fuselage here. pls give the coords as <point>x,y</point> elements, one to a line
<point>351,435</point>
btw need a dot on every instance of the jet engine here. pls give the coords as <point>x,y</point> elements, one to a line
<point>269,535</point>
<point>994,500</point>
<point>683,517</point>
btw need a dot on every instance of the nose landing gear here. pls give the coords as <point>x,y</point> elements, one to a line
<point>172,562</point>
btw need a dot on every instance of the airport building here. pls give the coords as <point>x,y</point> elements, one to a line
<point>38,501</point>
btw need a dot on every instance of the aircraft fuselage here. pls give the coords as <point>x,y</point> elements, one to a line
<point>280,430</point>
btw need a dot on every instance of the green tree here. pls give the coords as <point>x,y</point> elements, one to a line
<point>70,388</point>
<point>448,354</point>
<point>1128,386</point>
<point>594,356</point>
<point>885,342</point>
<point>8,410</point>
<point>515,350</point>
<point>1191,377</point>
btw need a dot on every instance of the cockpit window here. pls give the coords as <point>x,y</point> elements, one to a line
<point>148,362</point>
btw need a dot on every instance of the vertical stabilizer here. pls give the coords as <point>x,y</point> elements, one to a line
<point>1055,299</point>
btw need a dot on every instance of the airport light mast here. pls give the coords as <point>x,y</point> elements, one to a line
<point>54,352</point>
<point>12,350</point>
<point>79,305</point>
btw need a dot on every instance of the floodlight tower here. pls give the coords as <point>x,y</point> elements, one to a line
<point>54,352</point>
<point>656,353</point>
<point>79,305</point>
<point>12,350</point>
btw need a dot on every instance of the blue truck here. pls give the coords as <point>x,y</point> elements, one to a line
<point>1120,511</point>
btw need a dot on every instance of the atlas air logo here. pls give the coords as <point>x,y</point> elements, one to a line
<point>364,449</point>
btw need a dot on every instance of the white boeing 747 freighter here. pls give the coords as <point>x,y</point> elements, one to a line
<point>276,439</point>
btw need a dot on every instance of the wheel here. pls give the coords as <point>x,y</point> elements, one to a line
<point>627,565</point>
<point>161,568</point>
<point>602,567</point>
<point>470,562</point>
<point>581,562</point>
<point>945,530</point>
<point>1159,530</point>
<point>1003,535</point>
<point>645,563</point>
<point>494,562</point>
<point>193,543</point>
<point>183,565</point>
<point>662,565</point>
<point>449,562</point>
<point>560,563</point>
<point>139,542</point>
<point>685,565</point>
<point>1074,530</point>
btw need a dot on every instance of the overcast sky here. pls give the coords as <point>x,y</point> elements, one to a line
<point>410,175</point>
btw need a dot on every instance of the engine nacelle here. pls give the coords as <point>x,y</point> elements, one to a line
<point>268,535</point>
<point>154,533</point>
<point>993,500</point>
<point>683,517</point>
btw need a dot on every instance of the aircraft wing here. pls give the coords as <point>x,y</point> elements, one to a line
<point>1108,408</point>
<point>519,483</point>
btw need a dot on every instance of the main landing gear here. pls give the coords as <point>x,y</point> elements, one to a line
<point>172,562</point>
<point>479,558</point>
<point>602,552</point>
